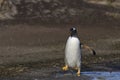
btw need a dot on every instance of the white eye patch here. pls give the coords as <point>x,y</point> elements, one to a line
<point>74,28</point>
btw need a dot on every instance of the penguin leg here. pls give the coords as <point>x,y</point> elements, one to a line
<point>75,68</point>
<point>65,67</point>
<point>78,72</point>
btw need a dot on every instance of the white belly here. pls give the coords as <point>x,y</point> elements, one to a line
<point>73,52</point>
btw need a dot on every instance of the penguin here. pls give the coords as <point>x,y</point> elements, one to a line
<point>73,52</point>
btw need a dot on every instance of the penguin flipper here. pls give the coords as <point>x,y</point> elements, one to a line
<point>87,47</point>
<point>93,51</point>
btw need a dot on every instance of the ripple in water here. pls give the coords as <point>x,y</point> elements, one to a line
<point>103,75</point>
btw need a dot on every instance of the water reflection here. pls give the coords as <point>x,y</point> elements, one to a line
<point>103,75</point>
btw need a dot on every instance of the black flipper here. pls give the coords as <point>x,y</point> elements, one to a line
<point>90,49</point>
<point>93,51</point>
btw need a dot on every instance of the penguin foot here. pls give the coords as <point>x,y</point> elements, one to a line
<point>65,68</point>
<point>78,73</point>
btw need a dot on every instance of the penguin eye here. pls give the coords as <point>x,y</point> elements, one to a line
<point>73,29</point>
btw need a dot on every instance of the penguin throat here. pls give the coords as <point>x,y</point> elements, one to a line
<point>73,34</point>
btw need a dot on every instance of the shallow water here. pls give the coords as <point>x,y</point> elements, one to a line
<point>103,75</point>
<point>67,75</point>
<point>95,75</point>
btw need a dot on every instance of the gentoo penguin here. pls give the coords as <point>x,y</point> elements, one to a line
<point>73,51</point>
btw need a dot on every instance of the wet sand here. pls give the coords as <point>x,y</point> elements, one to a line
<point>36,52</point>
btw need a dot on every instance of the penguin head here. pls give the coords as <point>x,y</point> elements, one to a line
<point>73,32</point>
